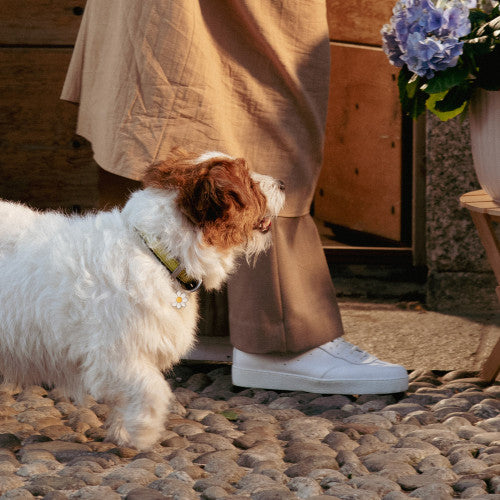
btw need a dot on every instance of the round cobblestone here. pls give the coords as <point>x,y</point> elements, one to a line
<point>439,440</point>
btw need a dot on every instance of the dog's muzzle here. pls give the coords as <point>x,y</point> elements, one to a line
<point>264,225</point>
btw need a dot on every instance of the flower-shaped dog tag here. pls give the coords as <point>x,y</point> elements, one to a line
<point>180,300</point>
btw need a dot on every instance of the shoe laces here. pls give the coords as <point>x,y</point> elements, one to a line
<point>350,351</point>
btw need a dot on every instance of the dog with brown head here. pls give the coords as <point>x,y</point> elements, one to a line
<point>99,304</point>
<point>217,194</point>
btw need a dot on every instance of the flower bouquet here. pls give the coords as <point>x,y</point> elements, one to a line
<point>445,49</point>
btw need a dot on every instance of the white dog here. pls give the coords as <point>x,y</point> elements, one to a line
<point>100,304</point>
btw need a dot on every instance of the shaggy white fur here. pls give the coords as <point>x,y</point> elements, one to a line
<point>86,306</point>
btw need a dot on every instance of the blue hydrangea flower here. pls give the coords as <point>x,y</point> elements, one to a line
<point>391,46</point>
<point>425,35</point>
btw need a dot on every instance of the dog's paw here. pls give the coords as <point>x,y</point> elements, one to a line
<point>142,438</point>
<point>118,435</point>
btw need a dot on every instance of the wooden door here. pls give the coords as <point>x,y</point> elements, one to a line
<point>360,187</point>
<point>42,161</point>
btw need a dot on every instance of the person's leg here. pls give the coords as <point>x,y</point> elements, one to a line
<point>285,325</point>
<point>286,302</point>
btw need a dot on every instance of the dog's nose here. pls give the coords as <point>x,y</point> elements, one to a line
<point>281,185</point>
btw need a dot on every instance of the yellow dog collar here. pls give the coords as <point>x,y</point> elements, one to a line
<point>172,264</point>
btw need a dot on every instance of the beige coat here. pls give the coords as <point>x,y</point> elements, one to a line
<point>246,77</point>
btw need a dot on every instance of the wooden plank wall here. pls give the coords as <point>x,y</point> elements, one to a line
<point>42,161</point>
<point>360,184</point>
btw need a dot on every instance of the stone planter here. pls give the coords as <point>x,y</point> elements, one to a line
<point>484,116</point>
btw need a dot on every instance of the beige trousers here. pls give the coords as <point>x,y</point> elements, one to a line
<point>245,77</point>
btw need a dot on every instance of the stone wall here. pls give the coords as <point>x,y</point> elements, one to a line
<point>460,278</point>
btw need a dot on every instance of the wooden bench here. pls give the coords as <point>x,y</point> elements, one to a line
<point>484,212</point>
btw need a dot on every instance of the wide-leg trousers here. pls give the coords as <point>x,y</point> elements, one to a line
<point>245,77</point>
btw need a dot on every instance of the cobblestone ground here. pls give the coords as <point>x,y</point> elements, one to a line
<point>439,440</point>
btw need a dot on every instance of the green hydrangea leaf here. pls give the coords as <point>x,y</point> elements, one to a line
<point>446,79</point>
<point>454,99</point>
<point>404,77</point>
<point>444,116</point>
<point>477,18</point>
<point>412,86</point>
<point>479,45</point>
<point>411,97</point>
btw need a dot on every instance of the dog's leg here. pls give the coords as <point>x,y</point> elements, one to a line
<point>138,417</point>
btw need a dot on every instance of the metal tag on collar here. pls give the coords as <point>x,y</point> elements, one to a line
<point>189,286</point>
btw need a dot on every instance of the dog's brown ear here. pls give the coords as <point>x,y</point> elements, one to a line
<point>223,201</point>
<point>217,195</point>
<point>212,191</point>
<point>169,172</point>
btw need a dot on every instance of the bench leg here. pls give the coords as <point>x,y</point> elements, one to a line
<point>484,226</point>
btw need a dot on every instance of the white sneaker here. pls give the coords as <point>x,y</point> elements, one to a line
<point>336,367</point>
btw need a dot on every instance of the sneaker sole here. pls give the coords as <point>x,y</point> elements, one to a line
<point>289,382</point>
